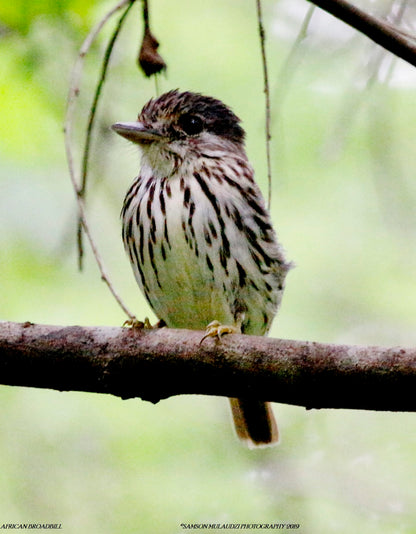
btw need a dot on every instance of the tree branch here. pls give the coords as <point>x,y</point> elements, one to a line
<point>156,364</point>
<point>381,32</point>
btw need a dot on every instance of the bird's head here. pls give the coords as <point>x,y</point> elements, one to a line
<point>181,126</point>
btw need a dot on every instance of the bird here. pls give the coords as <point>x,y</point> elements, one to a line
<point>198,234</point>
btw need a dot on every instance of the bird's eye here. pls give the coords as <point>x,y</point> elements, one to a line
<point>191,124</point>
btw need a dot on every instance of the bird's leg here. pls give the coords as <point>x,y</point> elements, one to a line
<point>216,329</point>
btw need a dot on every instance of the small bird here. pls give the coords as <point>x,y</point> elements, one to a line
<point>198,234</point>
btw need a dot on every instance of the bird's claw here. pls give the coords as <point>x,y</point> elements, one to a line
<point>216,329</point>
<point>135,323</point>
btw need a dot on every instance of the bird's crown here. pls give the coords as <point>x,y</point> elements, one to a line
<point>193,113</point>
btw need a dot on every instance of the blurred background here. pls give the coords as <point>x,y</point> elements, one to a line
<point>344,195</point>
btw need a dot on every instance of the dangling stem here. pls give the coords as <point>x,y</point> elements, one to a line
<point>267,99</point>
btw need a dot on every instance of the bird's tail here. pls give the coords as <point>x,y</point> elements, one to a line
<point>254,422</point>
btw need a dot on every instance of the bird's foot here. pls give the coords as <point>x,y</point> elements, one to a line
<point>216,329</point>
<point>135,323</point>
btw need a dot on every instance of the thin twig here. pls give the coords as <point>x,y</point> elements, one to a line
<point>91,119</point>
<point>74,86</point>
<point>149,59</point>
<point>262,36</point>
<point>146,19</point>
<point>74,90</point>
<point>156,86</point>
<point>104,277</point>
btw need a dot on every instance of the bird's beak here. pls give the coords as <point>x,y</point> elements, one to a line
<point>137,132</point>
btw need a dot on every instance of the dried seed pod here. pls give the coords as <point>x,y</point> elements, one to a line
<point>149,60</point>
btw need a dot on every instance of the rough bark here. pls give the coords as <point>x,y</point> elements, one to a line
<point>156,364</point>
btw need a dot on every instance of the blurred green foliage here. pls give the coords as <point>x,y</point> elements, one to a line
<point>343,203</point>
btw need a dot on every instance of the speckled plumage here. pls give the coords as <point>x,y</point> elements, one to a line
<point>195,226</point>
